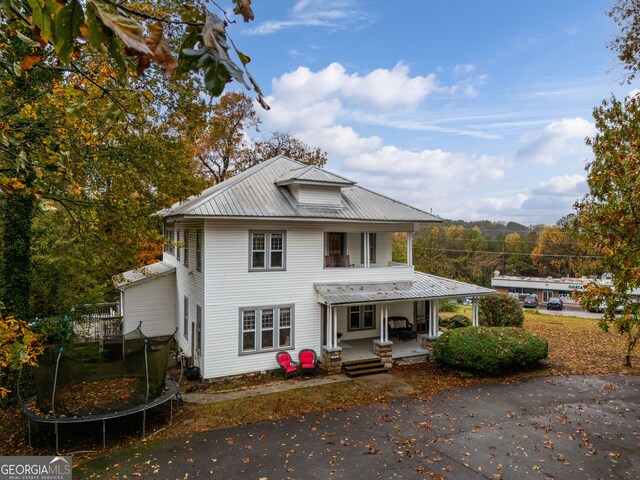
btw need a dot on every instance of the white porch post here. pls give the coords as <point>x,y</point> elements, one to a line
<point>329,326</point>
<point>474,312</point>
<point>365,247</point>
<point>334,329</point>
<point>410,249</point>
<point>434,323</point>
<point>384,323</point>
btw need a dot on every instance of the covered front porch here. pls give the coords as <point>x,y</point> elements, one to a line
<point>386,320</point>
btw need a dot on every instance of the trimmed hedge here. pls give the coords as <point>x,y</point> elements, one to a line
<point>457,321</point>
<point>500,311</point>
<point>489,350</point>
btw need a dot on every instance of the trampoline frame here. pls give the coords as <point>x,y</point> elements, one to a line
<point>169,395</point>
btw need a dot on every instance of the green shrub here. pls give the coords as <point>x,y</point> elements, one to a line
<point>457,321</point>
<point>489,350</point>
<point>500,311</point>
<point>447,306</point>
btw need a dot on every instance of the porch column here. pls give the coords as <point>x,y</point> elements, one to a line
<point>334,329</point>
<point>410,249</point>
<point>384,323</point>
<point>329,325</point>
<point>474,311</point>
<point>365,247</point>
<point>434,322</point>
<point>331,353</point>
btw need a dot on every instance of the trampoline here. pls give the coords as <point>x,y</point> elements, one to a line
<point>96,381</point>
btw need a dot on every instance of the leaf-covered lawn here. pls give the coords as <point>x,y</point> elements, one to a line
<point>576,346</point>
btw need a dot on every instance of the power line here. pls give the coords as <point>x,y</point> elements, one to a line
<point>519,254</point>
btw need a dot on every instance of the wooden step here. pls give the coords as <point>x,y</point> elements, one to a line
<point>357,368</point>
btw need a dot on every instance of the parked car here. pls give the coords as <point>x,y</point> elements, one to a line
<point>554,303</point>
<point>530,301</point>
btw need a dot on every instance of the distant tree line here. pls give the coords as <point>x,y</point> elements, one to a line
<point>473,251</point>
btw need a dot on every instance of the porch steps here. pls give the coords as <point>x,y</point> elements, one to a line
<point>367,366</point>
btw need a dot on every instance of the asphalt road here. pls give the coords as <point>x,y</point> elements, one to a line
<point>578,312</point>
<point>555,427</point>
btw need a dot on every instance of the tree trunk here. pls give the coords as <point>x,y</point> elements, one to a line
<point>15,265</point>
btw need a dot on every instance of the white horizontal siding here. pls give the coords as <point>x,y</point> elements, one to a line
<point>190,283</point>
<point>231,286</point>
<point>152,302</point>
<point>318,195</point>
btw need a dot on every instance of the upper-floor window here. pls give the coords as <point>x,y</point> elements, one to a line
<point>178,248</point>
<point>267,250</point>
<point>199,250</point>
<point>186,248</point>
<point>372,248</point>
<point>169,240</point>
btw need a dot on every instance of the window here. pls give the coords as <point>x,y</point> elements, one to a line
<point>186,248</point>
<point>266,329</point>
<point>198,329</point>
<point>185,324</point>
<point>362,317</point>
<point>337,243</point>
<point>372,248</point>
<point>178,245</point>
<point>169,240</point>
<point>267,250</point>
<point>199,250</point>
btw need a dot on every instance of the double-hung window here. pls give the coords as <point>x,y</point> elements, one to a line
<point>267,250</point>
<point>186,248</point>
<point>266,329</point>
<point>199,250</point>
<point>169,241</point>
<point>362,317</point>
<point>185,324</point>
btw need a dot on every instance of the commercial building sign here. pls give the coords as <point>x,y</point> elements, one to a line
<point>577,286</point>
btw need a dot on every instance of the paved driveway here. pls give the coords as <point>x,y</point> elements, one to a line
<point>556,427</point>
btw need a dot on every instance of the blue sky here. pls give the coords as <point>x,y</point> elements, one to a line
<point>471,109</point>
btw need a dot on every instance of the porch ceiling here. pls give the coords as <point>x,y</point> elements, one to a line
<point>423,286</point>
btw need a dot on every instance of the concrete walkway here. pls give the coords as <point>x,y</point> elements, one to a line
<point>257,391</point>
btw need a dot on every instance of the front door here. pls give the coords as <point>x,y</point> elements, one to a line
<point>421,315</point>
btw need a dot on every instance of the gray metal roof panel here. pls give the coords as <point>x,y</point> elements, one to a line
<point>313,174</point>
<point>143,273</point>
<point>253,193</point>
<point>423,286</point>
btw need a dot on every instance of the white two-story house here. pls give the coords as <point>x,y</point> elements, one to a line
<point>284,256</point>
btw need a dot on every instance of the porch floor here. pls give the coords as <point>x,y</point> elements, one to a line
<point>363,349</point>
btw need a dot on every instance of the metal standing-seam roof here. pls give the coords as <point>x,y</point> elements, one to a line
<point>313,174</point>
<point>254,193</point>
<point>142,273</point>
<point>423,286</point>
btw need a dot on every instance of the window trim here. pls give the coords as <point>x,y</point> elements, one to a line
<point>361,317</point>
<point>267,250</point>
<point>186,247</point>
<point>169,238</point>
<point>199,242</point>
<point>185,317</point>
<point>257,331</point>
<point>178,244</point>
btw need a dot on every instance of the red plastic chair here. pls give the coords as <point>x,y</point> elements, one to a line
<point>308,361</point>
<point>288,367</point>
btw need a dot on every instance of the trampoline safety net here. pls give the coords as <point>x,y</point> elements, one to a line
<point>92,378</point>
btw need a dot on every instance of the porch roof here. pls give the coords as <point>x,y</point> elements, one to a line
<point>141,274</point>
<point>423,286</point>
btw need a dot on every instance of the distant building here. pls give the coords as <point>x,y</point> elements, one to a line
<point>547,287</point>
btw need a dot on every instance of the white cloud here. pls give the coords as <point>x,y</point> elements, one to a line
<point>463,69</point>
<point>333,14</point>
<point>382,88</point>
<point>558,140</point>
<point>563,185</point>
<point>340,141</point>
